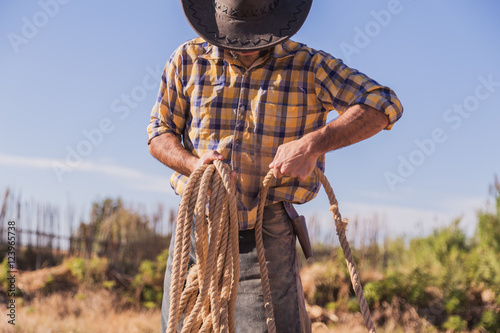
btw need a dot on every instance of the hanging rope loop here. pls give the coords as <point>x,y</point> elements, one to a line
<point>207,297</point>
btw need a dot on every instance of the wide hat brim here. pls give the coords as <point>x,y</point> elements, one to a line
<point>246,33</point>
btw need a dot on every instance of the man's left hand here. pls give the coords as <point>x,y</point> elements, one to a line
<point>294,159</point>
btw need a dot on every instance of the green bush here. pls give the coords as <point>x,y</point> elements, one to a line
<point>353,305</point>
<point>455,301</point>
<point>490,321</point>
<point>383,290</point>
<point>109,284</point>
<point>409,286</point>
<point>485,261</point>
<point>4,268</point>
<point>455,324</point>
<point>88,271</point>
<point>148,283</point>
<point>77,267</point>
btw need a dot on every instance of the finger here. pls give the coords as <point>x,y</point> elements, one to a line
<point>216,155</point>
<point>274,163</point>
<point>211,156</point>
<point>277,173</point>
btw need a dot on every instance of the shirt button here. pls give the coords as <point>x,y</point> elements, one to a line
<point>242,108</point>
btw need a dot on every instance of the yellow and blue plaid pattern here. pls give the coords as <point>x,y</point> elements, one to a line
<point>211,102</point>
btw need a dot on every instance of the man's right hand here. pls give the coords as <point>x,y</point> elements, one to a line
<point>168,149</point>
<point>207,158</point>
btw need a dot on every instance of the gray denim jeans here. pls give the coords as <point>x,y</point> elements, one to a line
<point>286,287</point>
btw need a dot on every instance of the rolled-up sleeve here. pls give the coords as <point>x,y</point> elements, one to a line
<point>339,87</point>
<point>169,112</point>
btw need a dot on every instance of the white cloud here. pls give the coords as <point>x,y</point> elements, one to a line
<point>29,162</point>
<point>129,177</point>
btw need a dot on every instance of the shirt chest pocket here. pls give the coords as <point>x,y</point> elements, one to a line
<point>285,100</point>
<point>279,123</point>
<point>284,113</point>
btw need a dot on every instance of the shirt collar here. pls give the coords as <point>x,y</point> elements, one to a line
<point>286,49</point>
<point>213,52</point>
<point>283,50</point>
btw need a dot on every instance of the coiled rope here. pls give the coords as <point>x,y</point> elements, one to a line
<point>207,297</point>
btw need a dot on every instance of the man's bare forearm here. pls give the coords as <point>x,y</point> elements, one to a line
<point>358,123</point>
<point>167,149</point>
<point>298,158</point>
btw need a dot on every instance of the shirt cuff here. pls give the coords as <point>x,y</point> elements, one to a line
<point>384,100</point>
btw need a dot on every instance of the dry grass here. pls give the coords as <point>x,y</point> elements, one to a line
<point>84,312</point>
<point>64,305</point>
<point>94,311</point>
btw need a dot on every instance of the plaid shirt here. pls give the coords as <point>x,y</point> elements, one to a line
<point>210,101</point>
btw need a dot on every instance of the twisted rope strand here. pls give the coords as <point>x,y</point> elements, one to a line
<point>351,264</point>
<point>181,250</point>
<point>266,289</point>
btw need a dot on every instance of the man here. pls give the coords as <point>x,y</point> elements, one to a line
<point>246,94</point>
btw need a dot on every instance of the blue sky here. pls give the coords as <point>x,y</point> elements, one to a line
<point>78,80</point>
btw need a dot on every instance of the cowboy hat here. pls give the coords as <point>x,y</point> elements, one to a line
<point>246,25</point>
